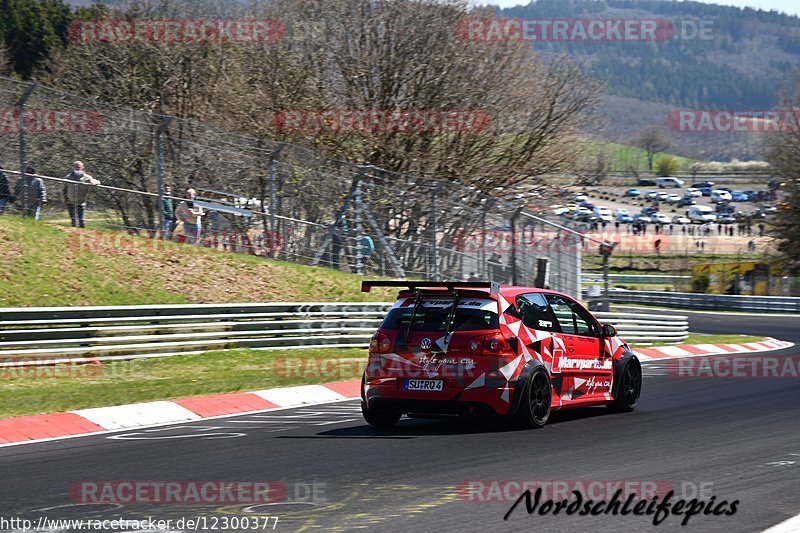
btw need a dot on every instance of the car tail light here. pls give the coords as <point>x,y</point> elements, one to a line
<point>380,343</point>
<point>492,344</point>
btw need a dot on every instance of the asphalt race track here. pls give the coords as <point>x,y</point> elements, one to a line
<point>732,439</point>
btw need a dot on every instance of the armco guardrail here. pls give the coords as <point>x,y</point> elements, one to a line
<point>647,329</point>
<point>715,302</point>
<point>63,333</point>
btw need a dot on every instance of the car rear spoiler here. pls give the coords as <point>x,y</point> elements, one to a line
<point>451,286</point>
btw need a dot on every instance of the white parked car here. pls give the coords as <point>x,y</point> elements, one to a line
<point>670,182</point>
<point>652,195</point>
<point>693,192</point>
<point>719,195</point>
<point>581,198</point>
<point>678,219</point>
<point>701,213</point>
<point>673,199</point>
<point>660,218</point>
<point>603,213</point>
<point>559,210</point>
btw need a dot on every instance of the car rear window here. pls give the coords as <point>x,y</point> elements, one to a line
<point>432,314</point>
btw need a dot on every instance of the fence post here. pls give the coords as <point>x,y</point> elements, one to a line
<point>23,149</point>
<point>357,224</point>
<point>434,246</point>
<point>273,198</point>
<point>160,162</point>
<point>513,221</point>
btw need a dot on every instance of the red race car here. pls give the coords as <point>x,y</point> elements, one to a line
<point>467,348</point>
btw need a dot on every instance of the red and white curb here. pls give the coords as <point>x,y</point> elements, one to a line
<point>695,350</point>
<point>36,428</point>
<point>27,429</point>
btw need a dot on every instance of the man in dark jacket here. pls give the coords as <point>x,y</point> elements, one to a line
<point>5,193</point>
<point>75,194</point>
<point>30,193</point>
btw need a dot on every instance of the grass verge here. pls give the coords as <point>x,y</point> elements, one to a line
<point>45,265</point>
<point>36,390</point>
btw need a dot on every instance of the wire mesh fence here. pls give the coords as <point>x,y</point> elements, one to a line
<point>266,197</point>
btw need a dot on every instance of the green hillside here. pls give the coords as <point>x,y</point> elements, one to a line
<point>45,265</point>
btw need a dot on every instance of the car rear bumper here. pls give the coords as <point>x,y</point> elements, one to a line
<point>490,399</point>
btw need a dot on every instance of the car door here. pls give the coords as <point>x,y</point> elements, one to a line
<point>577,354</point>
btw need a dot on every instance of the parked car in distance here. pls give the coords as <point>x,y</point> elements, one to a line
<point>581,198</point>
<point>663,197</point>
<point>719,195</point>
<point>646,183</point>
<point>633,192</point>
<point>661,218</point>
<point>678,219</point>
<point>647,211</point>
<point>623,216</point>
<point>703,184</point>
<point>669,182</point>
<point>701,213</point>
<point>603,213</point>
<point>723,218</point>
<point>692,192</point>
<point>652,195</point>
<point>705,191</point>
<point>687,201</point>
<point>559,210</point>
<point>673,199</point>
<point>739,196</point>
<point>640,217</point>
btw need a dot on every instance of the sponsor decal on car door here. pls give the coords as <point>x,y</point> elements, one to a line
<point>578,358</point>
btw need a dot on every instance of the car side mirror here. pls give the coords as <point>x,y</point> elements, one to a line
<point>609,330</point>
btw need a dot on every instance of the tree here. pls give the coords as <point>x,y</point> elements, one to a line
<point>3,60</point>
<point>652,140</point>
<point>32,31</point>
<point>367,56</point>
<point>783,154</point>
<point>667,165</point>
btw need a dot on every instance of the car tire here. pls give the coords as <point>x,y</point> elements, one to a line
<point>629,389</point>
<point>379,418</point>
<point>535,405</point>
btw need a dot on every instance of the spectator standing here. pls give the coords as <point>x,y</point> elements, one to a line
<point>5,193</point>
<point>75,194</point>
<point>761,228</point>
<point>167,214</point>
<point>190,215</point>
<point>31,193</point>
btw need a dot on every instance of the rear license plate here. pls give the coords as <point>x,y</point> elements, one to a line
<point>433,385</point>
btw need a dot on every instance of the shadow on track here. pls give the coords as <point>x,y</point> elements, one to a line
<point>409,428</point>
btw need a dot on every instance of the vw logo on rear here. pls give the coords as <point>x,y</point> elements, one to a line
<point>426,344</point>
